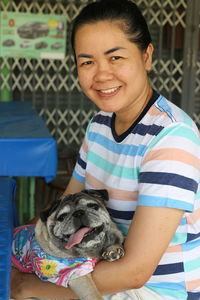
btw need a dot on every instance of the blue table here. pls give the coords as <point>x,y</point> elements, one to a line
<point>8,220</point>
<point>26,146</point>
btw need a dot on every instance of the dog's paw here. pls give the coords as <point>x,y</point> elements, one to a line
<point>113,252</point>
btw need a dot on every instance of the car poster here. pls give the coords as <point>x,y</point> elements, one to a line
<point>32,35</point>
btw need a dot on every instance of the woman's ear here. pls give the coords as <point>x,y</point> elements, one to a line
<point>148,57</point>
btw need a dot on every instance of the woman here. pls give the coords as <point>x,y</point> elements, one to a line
<point>145,151</point>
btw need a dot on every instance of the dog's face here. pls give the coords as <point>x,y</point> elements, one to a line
<point>78,223</point>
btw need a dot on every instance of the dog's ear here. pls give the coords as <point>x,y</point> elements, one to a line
<point>48,211</point>
<point>100,194</point>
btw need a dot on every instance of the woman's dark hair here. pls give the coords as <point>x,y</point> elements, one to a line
<point>124,12</point>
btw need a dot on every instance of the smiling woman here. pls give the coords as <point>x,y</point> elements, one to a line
<point>145,151</point>
<point>113,74</point>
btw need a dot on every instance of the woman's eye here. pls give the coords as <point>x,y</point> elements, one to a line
<point>86,63</point>
<point>113,58</point>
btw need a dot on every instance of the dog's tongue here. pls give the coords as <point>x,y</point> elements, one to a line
<point>77,237</point>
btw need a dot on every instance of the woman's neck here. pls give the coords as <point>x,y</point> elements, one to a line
<point>125,119</point>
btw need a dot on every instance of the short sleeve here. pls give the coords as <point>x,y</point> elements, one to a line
<point>170,171</point>
<point>80,167</point>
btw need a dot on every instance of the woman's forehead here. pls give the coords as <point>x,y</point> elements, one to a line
<point>104,33</point>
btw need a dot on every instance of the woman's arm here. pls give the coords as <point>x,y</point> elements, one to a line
<point>74,186</point>
<point>149,236</point>
<point>25,285</point>
<point>150,233</point>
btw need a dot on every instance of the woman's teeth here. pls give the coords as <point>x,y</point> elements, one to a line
<point>109,90</point>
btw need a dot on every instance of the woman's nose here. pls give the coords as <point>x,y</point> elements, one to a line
<point>103,72</point>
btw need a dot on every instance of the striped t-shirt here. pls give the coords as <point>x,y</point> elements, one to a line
<point>154,163</point>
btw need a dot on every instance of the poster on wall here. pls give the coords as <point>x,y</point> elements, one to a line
<point>32,35</point>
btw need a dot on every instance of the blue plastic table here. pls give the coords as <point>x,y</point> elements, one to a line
<point>8,220</point>
<point>26,146</point>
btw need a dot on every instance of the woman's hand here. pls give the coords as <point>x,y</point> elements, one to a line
<point>19,288</point>
<point>25,285</point>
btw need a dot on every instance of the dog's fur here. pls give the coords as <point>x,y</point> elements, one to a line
<point>64,218</point>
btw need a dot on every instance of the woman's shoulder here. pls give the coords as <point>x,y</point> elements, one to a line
<point>171,110</point>
<point>169,114</point>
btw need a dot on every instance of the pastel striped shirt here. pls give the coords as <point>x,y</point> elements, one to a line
<point>154,163</point>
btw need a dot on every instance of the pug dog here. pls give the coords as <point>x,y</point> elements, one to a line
<point>72,235</point>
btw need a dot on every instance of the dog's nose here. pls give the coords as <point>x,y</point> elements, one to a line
<point>78,213</point>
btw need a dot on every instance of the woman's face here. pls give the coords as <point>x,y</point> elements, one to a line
<point>112,71</point>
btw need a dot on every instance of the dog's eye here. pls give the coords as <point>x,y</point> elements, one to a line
<point>93,205</point>
<point>61,217</point>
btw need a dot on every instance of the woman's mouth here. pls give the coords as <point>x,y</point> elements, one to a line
<point>108,92</point>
